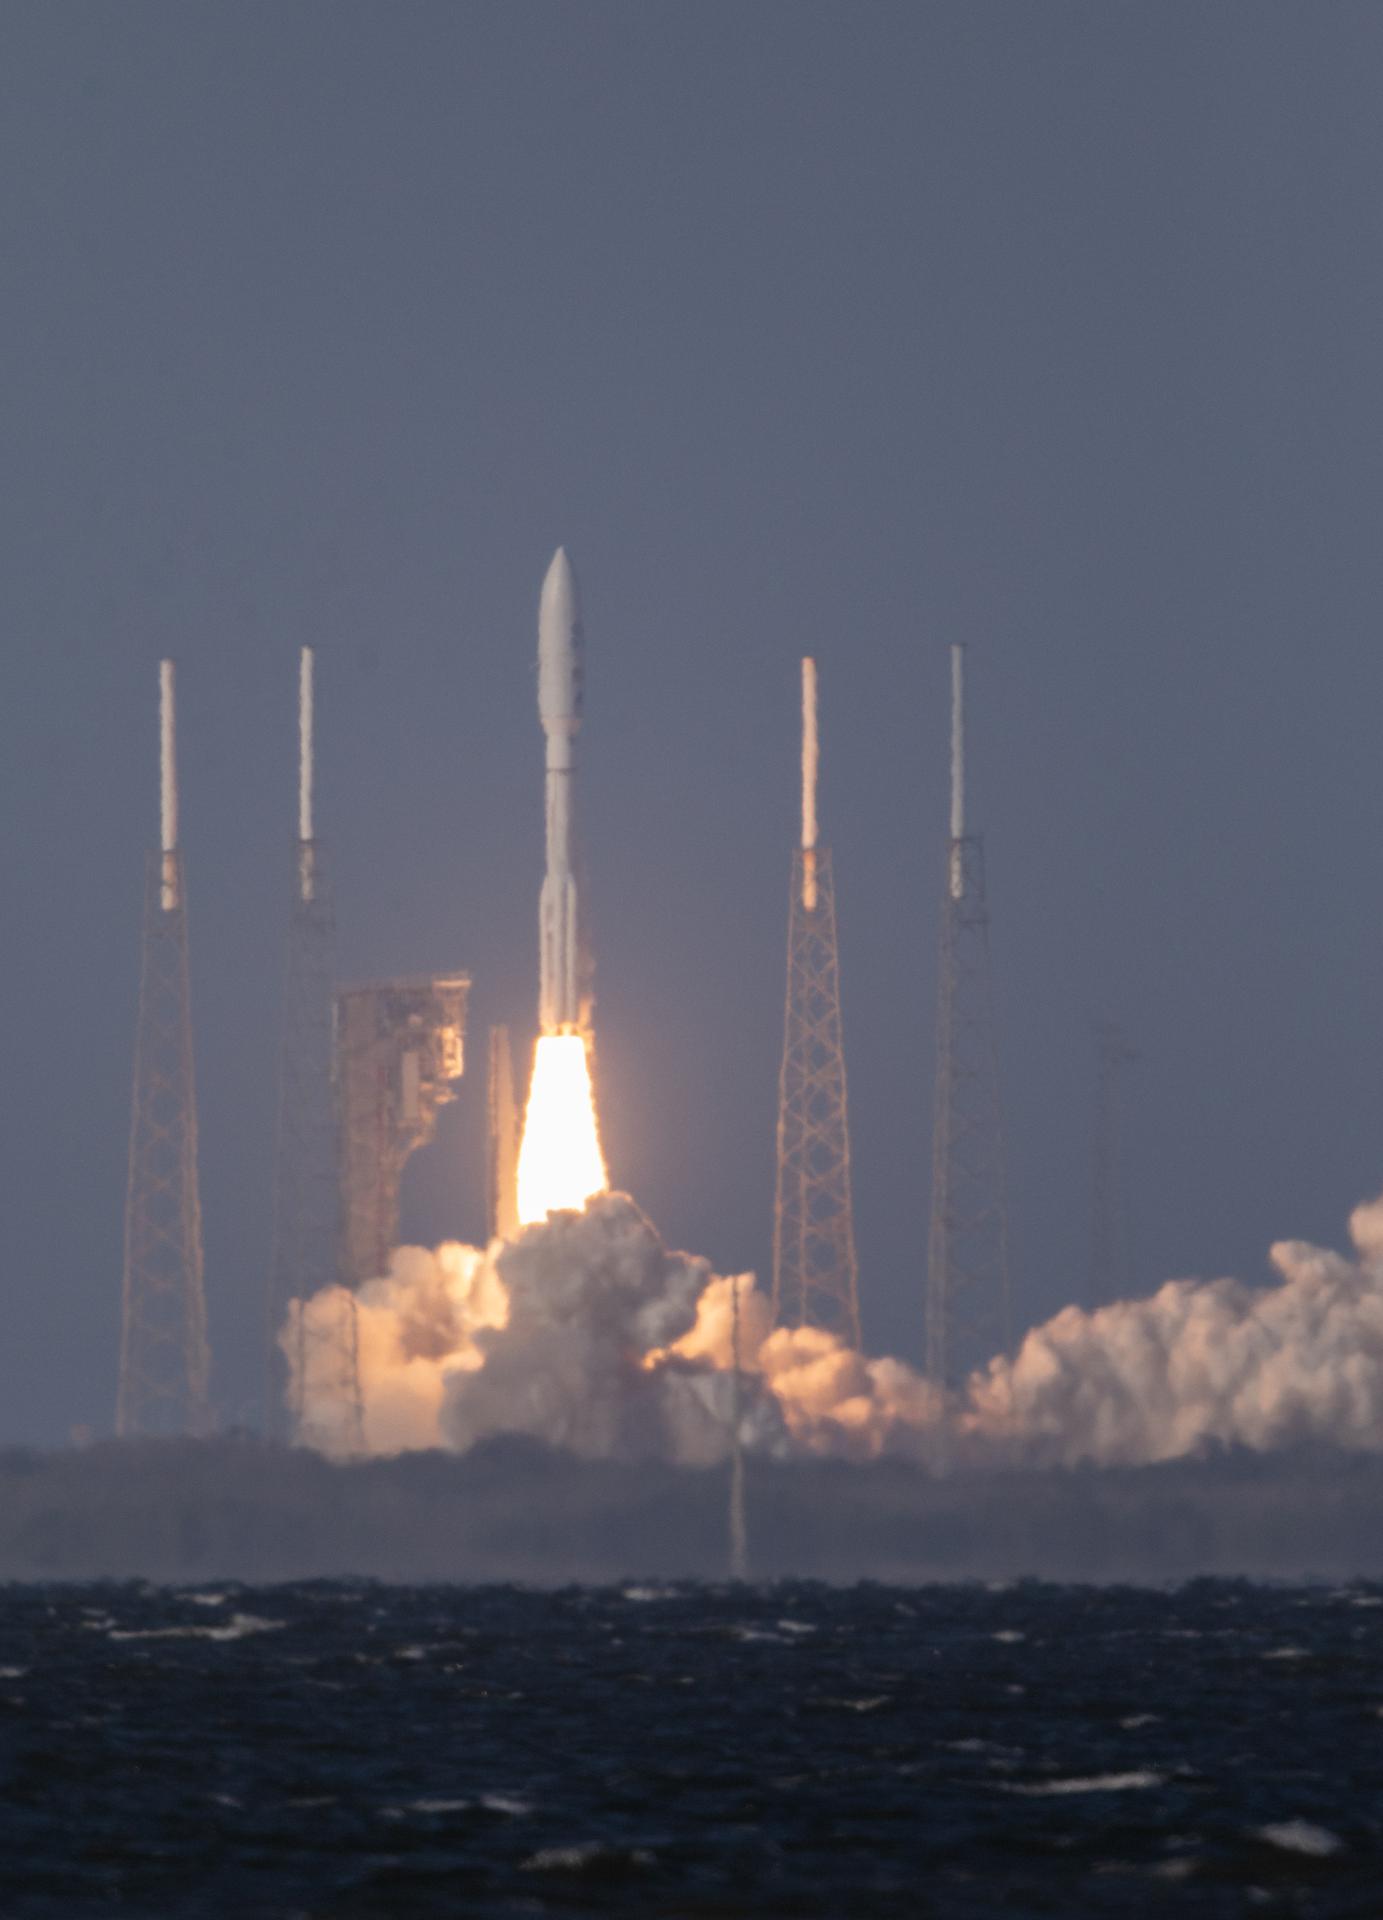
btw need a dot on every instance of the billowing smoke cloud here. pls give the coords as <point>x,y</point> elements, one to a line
<point>416,1329</point>
<point>587,1333</point>
<point>588,1357</point>
<point>1200,1364</point>
<point>568,1333</point>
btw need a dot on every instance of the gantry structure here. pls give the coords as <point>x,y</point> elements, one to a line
<point>400,1052</point>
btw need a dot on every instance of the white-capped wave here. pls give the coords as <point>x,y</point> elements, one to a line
<point>236,1628</point>
<point>1091,1783</point>
<point>1301,1836</point>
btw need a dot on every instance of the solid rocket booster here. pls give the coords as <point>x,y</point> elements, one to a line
<point>564,1004</point>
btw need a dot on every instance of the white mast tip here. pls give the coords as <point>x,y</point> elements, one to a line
<point>811,762</point>
<point>168,784</point>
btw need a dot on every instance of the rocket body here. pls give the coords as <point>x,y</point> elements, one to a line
<point>564,994</point>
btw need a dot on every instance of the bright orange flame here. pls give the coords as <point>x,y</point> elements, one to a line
<point>560,1162</point>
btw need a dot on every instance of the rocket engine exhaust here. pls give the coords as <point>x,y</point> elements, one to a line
<point>560,1162</point>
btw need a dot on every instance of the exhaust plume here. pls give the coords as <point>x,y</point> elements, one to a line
<point>560,1162</point>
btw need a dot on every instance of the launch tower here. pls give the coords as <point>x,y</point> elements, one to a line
<point>400,1048</point>
<point>165,1363</point>
<point>968,1314</point>
<point>307,1201</point>
<point>815,1272</point>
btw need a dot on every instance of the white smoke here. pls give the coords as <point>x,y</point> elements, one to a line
<point>415,1329</point>
<point>587,1333</point>
<point>569,1333</point>
<point>1201,1364</point>
<point>587,1358</point>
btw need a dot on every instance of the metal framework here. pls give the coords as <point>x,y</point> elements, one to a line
<point>400,1050</point>
<point>1111,1241</point>
<point>165,1363</point>
<point>815,1271</point>
<point>307,1206</point>
<point>968,1315</point>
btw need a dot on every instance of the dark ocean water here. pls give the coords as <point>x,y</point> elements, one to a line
<point>332,1749</point>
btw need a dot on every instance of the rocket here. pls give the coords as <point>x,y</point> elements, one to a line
<point>564,993</point>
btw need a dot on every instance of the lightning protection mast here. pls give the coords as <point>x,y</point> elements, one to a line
<point>165,1363</point>
<point>968,1313</point>
<point>312,1357</point>
<point>815,1271</point>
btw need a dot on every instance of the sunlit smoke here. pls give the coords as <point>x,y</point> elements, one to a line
<point>585,1332</point>
<point>560,1162</point>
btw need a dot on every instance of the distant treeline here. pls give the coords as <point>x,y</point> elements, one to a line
<point>515,1510</point>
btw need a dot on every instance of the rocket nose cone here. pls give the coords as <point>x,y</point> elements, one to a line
<point>559,607</point>
<point>560,667</point>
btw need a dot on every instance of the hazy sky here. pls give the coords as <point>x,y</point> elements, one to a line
<point>850,328</point>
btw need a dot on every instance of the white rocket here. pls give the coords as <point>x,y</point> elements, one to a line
<point>564,993</point>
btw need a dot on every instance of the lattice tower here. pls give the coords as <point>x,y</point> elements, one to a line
<point>165,1362</point>
<point>815,1270</point>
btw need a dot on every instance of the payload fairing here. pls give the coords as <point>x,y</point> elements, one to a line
<point>565,973</point>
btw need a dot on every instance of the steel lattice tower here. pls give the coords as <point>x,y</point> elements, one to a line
<point>322,1346</point>
<point>968,1312</point>
<point>815,1271</point>
<point>1111,1241</point>
<point>165,1363</point>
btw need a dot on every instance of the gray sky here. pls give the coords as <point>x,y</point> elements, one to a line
<point>855,329</point>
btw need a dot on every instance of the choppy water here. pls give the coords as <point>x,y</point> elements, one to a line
<point>328,1749</point>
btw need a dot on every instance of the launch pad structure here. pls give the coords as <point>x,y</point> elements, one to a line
<point>165,1362</point>
<point>400,1051</point>
<point>364,1071</point>
<point>815,1268</point>
<point>394,1050</point>
<point>967,1288</point>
